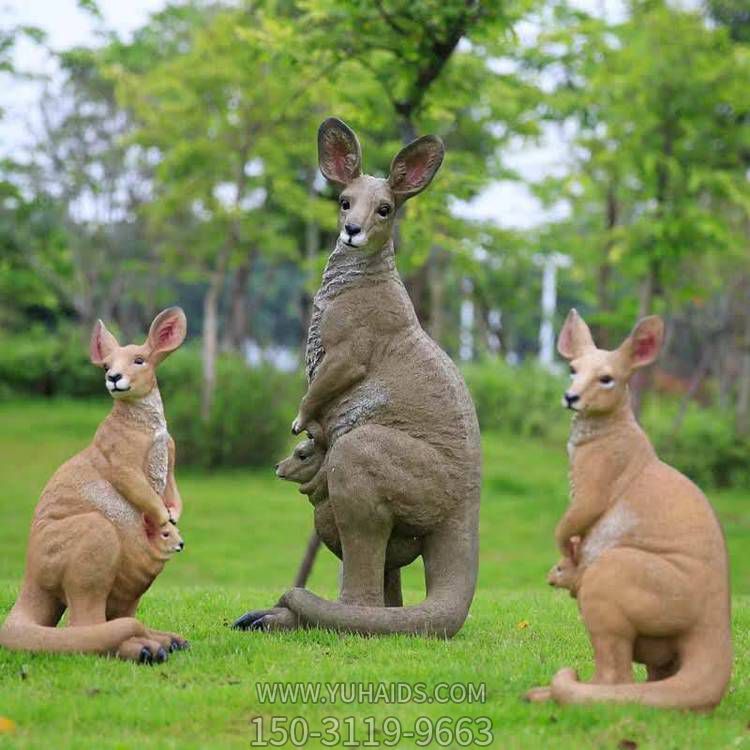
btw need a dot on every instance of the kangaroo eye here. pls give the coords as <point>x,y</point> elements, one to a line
<point>384,211</point>
<point>345,205</point>
<point>606,379</point>
<point>139,360</point>
<point>106,367</point>
<point>572,370</point>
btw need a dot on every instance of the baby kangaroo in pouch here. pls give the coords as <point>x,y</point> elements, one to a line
<point>105,524</point>
<point>564,573</point>
<point>651,571</point>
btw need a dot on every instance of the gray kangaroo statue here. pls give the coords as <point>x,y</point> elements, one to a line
<point>403,457</point>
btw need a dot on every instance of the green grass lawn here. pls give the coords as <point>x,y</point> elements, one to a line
<point>245,532</point>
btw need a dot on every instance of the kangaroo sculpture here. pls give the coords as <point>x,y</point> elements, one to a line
<point>403,458</point>
<point>103,528</point>
<point>652,578</point>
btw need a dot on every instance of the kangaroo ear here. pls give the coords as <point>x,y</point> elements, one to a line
<point>575,336</point>
<point>167,332</point>
<point>339,153</point>
<point>413,168</point>
<point>643,345</point>
<point>102,343</point>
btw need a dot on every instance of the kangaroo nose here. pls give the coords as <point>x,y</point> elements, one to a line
<point>114,377</point>
<point>181,545</point>
<point>571,398</point>
<point>352,229</point>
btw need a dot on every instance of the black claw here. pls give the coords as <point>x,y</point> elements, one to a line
<point>161,655</point>
<point>251,620</point>
<point>145,657</point>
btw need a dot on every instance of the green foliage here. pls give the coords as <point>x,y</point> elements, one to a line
<point>250,418</point>
<point>519,400</point>
<point>253,408</point>
<point>39,363</point>
<point>705,448</point>
<point>657,185</point>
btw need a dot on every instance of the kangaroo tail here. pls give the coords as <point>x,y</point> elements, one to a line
<point>104,638</point>
<point>699,684</point>
<point>450,558</point>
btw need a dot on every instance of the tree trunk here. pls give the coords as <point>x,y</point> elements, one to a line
<point>309,251</point>
<point>437,273</point>
<point>417,283</point>
<point>649,290</point>
<point>604,272</point>
<point>238,328</point>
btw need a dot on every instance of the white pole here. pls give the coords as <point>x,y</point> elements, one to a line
<point>550,263</point>
<point>466,336</point>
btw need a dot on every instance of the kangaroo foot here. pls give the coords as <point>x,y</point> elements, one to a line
<point>538,695</point>
<point>562,683</point>
<point>169,641</point>
<point>143,651</point>
<point>278,618</point>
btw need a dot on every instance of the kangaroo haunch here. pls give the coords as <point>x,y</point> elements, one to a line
<point>403,459</point>
<point>651,571</point>
<point>104,526</point>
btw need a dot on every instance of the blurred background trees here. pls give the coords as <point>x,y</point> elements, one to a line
<point>179,165</point>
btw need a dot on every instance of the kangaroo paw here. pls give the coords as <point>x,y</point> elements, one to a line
<point>278,618</point>
<point>143,651</point>
<point>169,641</point>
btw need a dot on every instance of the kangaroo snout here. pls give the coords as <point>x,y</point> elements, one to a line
<point>570,399</point>
<point>352,229</point>
<point>114,376</point>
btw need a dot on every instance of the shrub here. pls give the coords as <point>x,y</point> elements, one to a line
<point>42,363</point>
<point>523,399</point>
<point>250,418</point>
<point>706,447</point>
<point>252,411</point>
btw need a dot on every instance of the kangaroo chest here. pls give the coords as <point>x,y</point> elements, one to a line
<point>600,474</point>
<point>147,416</point>
<point>346,268</point>
<point>157,460</point>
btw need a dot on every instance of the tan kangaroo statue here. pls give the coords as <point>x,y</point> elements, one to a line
<point>403,456</point>
<point>101,531</point>
<point>653,582</point>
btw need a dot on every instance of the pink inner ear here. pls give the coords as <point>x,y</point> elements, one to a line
<point>415,174</point>
<point>565,342</point>
<point>644,348</point>
<point>97,352</point>
<point>339,161</point>
<point>339,157</point>
<point>165,335</point>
